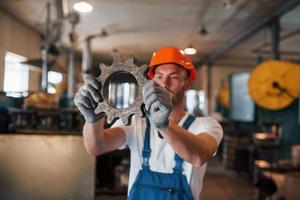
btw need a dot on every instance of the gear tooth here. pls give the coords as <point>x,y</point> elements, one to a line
<point>130,61</point>
<point>98,77</point>
<point>140,113</point>
<point>109,119</point>
<point>102,69</point>
<point>100,108</point>
<point>142,70</point>
<point>97,110</point>
<point>125,120</point>
<point>102,66</point>
<point>117,59</point>
<point>145,68</point>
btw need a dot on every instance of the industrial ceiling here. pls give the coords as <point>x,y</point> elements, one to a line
<point>138,27</point>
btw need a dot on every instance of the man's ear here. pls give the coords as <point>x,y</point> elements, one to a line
<point>188,84</point>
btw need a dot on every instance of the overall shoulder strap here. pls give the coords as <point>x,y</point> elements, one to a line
<point>146,149</point>
<point>189,120</point>
<point>178,160</point>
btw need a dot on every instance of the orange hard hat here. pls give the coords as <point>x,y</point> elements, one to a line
<point>172,55</point>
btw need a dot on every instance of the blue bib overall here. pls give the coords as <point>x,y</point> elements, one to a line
<point>150,185</point>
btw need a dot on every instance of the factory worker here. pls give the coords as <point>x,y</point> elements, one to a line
<point>169,148</point>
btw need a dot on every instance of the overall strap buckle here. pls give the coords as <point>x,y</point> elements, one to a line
<point>146,157</point>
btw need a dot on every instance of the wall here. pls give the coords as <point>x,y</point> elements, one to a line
<point>20,39</point>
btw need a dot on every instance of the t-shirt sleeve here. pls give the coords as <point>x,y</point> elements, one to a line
<point>129,130</point>
<point>208,125</point>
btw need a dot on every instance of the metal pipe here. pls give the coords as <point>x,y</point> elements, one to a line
<point>59,6</point>
<point>44,82</point>
<point>275,33</point>
<point>73,19</point>
<point>44,52</point>
<point>281,37</point>
<point>65,7</point>
<point>71,73</point>
<point>285,53</point>
<point>251,31</point>
<point>209,86</point>
<point>87,61</point>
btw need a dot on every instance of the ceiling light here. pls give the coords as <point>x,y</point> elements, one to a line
<point>83,7</point>
<point>190,51</point>
<point>203,31</point>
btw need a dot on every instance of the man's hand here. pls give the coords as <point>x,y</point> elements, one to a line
<point>87,99</point>
<point>158,104</point>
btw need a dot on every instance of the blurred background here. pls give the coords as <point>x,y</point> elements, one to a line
<point>247,56</point>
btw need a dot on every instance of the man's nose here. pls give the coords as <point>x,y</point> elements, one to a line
<point>164,82</point>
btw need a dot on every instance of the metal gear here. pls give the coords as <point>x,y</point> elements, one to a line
<point>120,65</point>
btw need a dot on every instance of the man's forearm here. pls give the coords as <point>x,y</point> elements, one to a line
<point>194,149</point>
<point>93,136</point>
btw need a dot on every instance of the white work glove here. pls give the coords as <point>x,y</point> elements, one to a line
<point>158,104</point>
<point>87,99</point>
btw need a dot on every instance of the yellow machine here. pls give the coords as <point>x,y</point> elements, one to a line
<point>223,95</point>
<point>274,84</point>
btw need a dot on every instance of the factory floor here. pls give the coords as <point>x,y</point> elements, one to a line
<point>219,184</point>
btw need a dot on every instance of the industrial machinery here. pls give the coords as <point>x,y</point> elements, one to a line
<point>275,84</point>
<point>263,109</point>
<point>274,87</point>
<point>223,95</point>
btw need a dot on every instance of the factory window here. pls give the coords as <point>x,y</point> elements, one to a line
<point>195,102</point>
<point>16,75</point>
<point>53,79</point>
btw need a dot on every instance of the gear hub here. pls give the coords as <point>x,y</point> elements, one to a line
<point>138,72</point>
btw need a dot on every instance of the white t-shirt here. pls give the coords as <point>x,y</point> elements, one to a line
<point>162,154</point>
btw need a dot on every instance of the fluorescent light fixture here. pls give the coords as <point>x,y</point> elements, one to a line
<point>83,7</point>
<point>190,51</point>
<point>54,77</point>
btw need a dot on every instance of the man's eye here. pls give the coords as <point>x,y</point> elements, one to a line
<point>175,77</point>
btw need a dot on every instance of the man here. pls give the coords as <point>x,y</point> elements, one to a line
<point>167,161</point>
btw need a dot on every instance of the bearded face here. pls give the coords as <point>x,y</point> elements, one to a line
<point>174,79</point>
